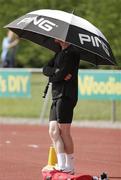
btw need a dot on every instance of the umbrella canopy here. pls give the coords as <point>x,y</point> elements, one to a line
<point>43,26</point>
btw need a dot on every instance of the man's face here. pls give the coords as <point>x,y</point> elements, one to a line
<point>61,43</point>
<point>58,42</point>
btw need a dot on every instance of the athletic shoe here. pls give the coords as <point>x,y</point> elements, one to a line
<point>69,171</point>
<point>65,170</point>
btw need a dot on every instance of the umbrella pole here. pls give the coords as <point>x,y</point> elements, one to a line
<point>46,102</point>
<point>113,110</point>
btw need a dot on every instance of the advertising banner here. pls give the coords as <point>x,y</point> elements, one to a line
<point>14,83</point>
<point>99,84</point>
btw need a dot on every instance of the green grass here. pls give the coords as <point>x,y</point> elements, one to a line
<point>31,107</point>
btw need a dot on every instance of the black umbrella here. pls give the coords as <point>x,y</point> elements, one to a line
<point>43,26</point>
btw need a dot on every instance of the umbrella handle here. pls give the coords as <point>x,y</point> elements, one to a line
<point>46,90</point>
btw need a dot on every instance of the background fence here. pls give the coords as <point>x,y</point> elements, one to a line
<point>33,106</point>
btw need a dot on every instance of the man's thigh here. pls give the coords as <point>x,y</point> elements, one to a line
<point>64,110</point>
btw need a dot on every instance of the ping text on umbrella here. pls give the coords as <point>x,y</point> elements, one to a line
<point>96,42</point>
<point>40,22</point>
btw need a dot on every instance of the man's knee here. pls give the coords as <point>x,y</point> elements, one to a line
<point>65,131</point>
<point>54,131</point>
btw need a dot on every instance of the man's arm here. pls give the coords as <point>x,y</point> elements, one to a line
<point>64,73</point>
<point>14,43</point>
<point>49,69</point>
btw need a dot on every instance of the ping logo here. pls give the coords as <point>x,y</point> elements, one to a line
<point>96,42</point>
<point>40,22</point>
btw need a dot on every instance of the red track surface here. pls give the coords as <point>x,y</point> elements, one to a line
<point>24,151</point>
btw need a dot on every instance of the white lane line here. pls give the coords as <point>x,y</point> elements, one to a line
<point>33,145</point>
<point>7,142</point>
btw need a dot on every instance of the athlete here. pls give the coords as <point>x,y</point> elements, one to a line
<point>62,71</point>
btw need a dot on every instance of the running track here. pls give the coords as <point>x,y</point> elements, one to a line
<point>24,151</point>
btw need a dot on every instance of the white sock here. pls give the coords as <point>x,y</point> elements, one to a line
<point>61,160</point>
<point>69,161</point>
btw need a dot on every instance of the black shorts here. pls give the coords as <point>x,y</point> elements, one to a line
<point>62,110</point>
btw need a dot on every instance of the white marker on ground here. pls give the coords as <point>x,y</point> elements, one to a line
<point>7,142</point>
<point>33,146</point>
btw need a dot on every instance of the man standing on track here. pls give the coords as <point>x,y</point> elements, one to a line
<point>62,71</point>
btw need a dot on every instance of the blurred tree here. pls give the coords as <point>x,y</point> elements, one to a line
<point>105,14</point>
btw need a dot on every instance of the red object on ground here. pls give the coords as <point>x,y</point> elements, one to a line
<point>54,175</point>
